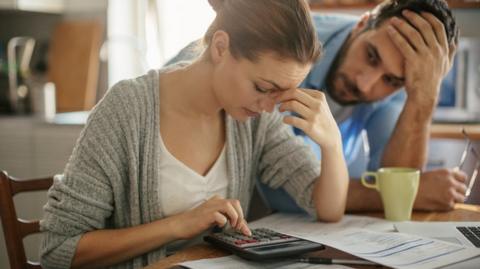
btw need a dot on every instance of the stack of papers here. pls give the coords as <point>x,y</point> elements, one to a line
<point>398,250</point>
<point>365,237</point>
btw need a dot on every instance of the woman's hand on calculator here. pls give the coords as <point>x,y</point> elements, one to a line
<point>214,212</point>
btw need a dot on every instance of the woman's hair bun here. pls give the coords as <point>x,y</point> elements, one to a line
<point>216,4</point>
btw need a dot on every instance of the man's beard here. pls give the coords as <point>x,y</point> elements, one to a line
<point>348,86</point>
<point>334,75</point>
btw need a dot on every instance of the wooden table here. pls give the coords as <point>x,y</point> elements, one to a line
<point>461,212</point>
<point>454,131</point>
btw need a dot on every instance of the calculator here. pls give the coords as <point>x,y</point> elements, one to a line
<point>262,245</point>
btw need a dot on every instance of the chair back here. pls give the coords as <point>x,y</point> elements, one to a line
<point>16,229</point>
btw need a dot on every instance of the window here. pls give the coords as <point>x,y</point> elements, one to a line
<point>145,34</point>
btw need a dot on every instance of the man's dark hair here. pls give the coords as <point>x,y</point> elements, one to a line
<point>439,8</point>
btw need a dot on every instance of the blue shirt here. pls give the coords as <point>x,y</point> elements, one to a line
<point>378,119</point>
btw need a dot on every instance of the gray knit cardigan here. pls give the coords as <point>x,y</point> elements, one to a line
<point>111,179</point>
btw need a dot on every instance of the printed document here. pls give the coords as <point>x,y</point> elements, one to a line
<point>398,250</point>
<point>372,239</point>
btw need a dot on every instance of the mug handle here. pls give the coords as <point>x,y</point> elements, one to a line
<point>367,184</point>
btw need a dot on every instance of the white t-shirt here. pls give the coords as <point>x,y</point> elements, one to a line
<point>182,188</point>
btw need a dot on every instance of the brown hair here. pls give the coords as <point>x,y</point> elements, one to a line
<point>439,8</point>
<point>284,27</point>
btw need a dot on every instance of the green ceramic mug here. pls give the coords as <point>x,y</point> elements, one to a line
<point>398,188</point>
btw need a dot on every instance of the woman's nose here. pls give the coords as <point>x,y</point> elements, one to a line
<point>267,104</point>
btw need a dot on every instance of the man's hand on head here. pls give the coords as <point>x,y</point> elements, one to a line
<point>422,40</point>
<point>440,189</point>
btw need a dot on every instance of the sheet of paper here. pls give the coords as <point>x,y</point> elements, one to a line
<point>300,225</point>
<point>397,250</point>
<point>234,262</point>
<point>372,239</point>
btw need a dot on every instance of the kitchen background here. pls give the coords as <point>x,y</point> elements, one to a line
<point>69,52</point>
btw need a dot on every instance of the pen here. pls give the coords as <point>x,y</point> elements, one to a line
<point>318,260</point>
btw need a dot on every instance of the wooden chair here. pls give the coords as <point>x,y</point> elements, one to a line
<point>16,229</point>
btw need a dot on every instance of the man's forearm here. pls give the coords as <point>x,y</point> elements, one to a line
<point>426,61</point>
<point>360,198</point>
<point>408,145</point>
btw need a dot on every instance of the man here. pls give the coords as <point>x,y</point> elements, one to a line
<point>366,61</point>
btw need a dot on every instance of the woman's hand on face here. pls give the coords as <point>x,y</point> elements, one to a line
<point>215,211</point>
<point>313,115</point>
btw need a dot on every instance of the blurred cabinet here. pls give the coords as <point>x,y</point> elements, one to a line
<point>31,148</point>
<point>48,6</point>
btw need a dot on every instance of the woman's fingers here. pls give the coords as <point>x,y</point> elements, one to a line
<point>296,122</point>
<point>304,102</point>
<point>241,224</point>
<point>232,210</point>
<point>315,94</point>
<point>298,95</point>
<point>229,211</point>
<point>220,219</point>
<point>243,228</point>
<point>297,107</point>
<point>236,205</point>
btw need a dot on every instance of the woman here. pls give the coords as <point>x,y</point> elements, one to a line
<point>166,156</point>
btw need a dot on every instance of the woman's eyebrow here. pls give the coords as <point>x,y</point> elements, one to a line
<point>275,85</point>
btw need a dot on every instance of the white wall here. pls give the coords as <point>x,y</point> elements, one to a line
<point>467,20</point>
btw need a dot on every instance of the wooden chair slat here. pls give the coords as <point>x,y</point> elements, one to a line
<point>28,227</point>
<point>15,229</point>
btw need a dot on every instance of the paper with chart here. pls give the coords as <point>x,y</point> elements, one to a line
<point>369,238</point>
<point>234,262</point>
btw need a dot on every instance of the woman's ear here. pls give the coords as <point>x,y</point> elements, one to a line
<point>219,47</point>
